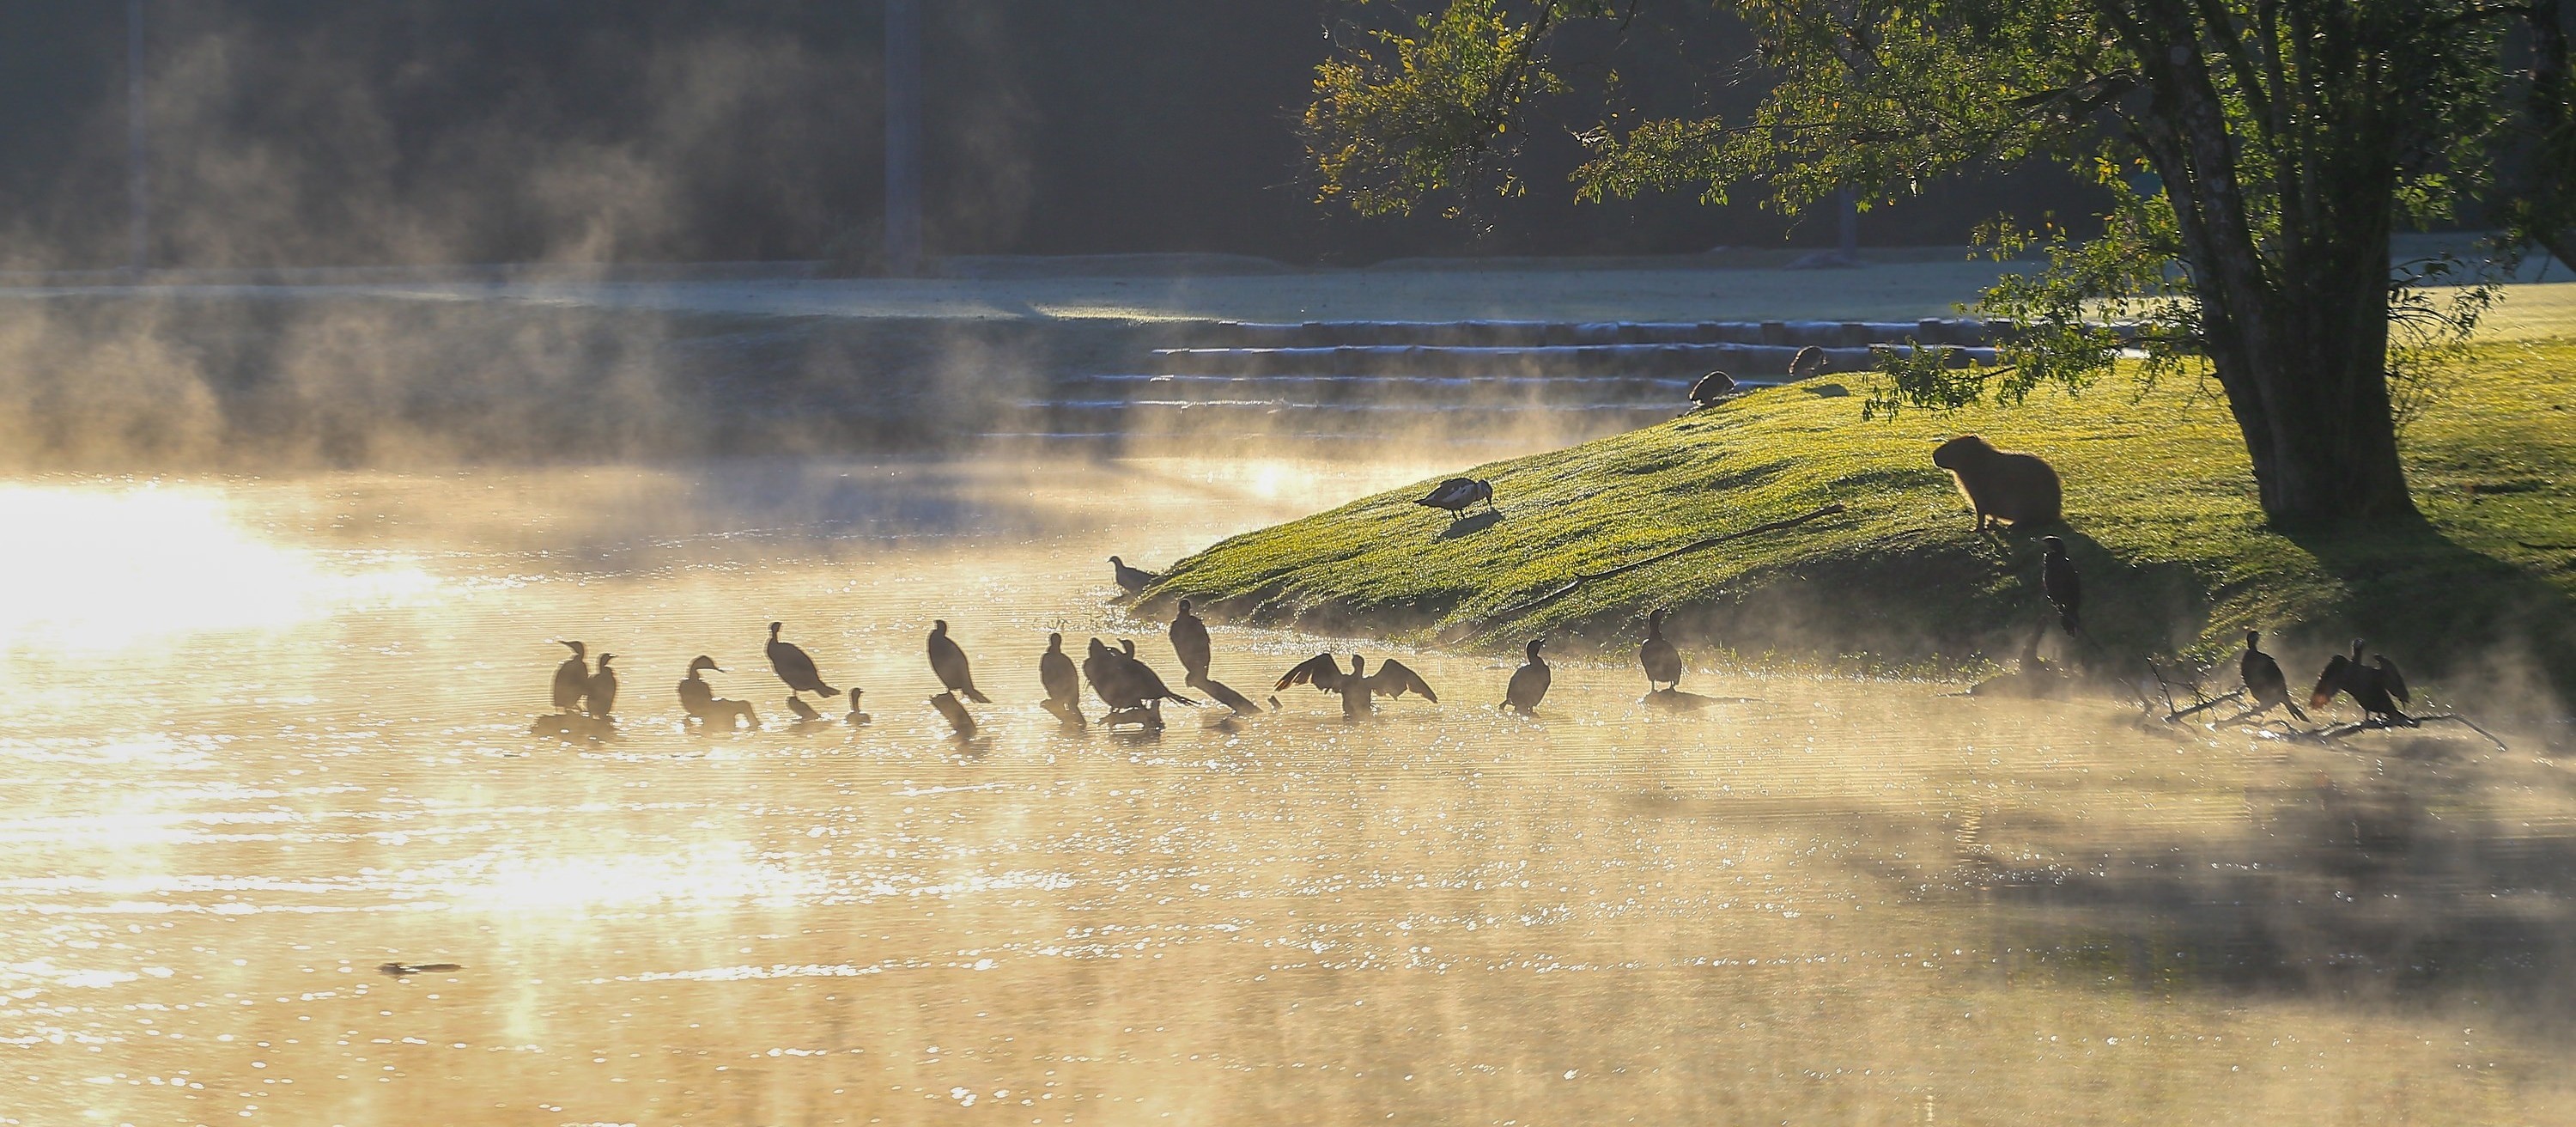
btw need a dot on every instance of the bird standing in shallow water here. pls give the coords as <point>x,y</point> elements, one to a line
<point>1063,684</point>
<point>1130,578</point>
<point>796,669</point>
<point>1456,494</point>
<point>1358,686</point>
<point>1190,643</point>
<point>1529,682</point>
<point>1663,663</point>
<point>2057,580</point>
<point>856,717</point>
<point>572,679</point>
<point>697,698</point>
<point>2265,687</point>
<point>949,662</point>
<point>602,693</point>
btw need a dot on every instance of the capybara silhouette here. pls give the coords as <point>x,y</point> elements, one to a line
<point>2001,485</point>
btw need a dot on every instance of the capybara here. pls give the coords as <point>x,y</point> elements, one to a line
<point>2001,485</point>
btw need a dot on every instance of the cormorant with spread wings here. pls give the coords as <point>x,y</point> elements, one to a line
<point>1358,686</point>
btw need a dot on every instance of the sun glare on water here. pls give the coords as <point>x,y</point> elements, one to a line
<point>99,569</point>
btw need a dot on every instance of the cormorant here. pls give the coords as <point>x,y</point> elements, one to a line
<point>1190,642</point>
<point>572,679</point>
<point>1663,663</point>
<point>1141,679</point>
<point>603,689</point>
<point>1711,388</point>
<point>949,662</point>
<point>2265,687</point>
<point>1456,494</point>
<point>1529,682</point>
<point>697,698</point>
<point>2058,581</point>
<point>1132,579</point>
<point>2370,686</point>
<point>1056,672</point>
<point>1357,686</point>
<point>796,669</point>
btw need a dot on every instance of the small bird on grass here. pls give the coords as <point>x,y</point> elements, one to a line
<point>1456,494</point>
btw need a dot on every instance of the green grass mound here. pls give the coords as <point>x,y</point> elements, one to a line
<point>2162,522</point>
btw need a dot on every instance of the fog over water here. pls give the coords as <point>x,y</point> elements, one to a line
<point>265,735</point>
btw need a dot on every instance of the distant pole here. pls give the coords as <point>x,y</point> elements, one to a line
<point>138,231</point>
<point>1850,201</point>
<point>903,138</point>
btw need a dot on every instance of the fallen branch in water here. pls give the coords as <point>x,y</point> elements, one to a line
<point>2204,706</point>
<point>1582,578</point>
<point>2333,732</point>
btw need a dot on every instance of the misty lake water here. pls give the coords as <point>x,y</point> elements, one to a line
<point>262,736</point>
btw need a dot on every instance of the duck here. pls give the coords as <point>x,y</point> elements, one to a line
<point>2058,581</point>
<point>1663,663</point>
<point>796,669</point>
<point>2376,687</point>
<point>1357,687</point>
<point>1190,643</point>
<point>602,693</point>
<point>1529,682</point>
<point>572,678</point>
<point>2265,687</point>
<point>1130,578</point>
<point>949,662</point>
<point>1456,494</point>
<point>1711,388</point>
<point>856,717</point>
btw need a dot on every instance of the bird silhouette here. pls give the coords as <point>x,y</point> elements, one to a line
<point>602,693</point>
<point>1529,682</point>
<point>1358,688</point>
<point>572,679</point>
<point>697,698</point>
<point>1141,679</point>
<point>2057,580</point>
<point>1456,494</point>
<point>2265,687</point>
<point>1190,642</point>
<point>2376,687</point>
<point>795,668</point>
<point>1063,684</point>
<point>856,717</point>
<point>1130,578</point>
<point>1711,388</point>
<point>949,662</point>
<point>1663,663</point>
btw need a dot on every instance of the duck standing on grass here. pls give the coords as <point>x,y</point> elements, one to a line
<point>1529,682</point>
<point>949,662</point>
<point>1456,494</point>
<point>1663,663</point>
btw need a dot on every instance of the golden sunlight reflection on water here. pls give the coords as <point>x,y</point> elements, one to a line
<point>1830,900</point>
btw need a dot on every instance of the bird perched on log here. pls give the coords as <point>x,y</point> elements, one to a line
<point>572,679</point>
<point>1663,663</point>
<point>804,712</point>
<point>796,669</point>
<point>601,696</point>
<point>2265,687</point>
<point>1063,684</point>
<point>1529,682</point>
<point>2057,580</point>
<point>1456,494</point>
<point>2377,687</point>
<point>1190,643</point>
<point>949,662</point>
<point>1130,578</point>
<point>1711,388</point>
<point>1358,686</point>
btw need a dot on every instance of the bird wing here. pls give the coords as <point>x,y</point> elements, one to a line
<point>2390,679</point>
<point>2329,682</point>
<point>1448,493</point>
<point>1528,684</point>
<point>1393,679</point>
<point>1320,671</point>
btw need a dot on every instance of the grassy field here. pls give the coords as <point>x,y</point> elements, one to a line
<point>2164,527</point>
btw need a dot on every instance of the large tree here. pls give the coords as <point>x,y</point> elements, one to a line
<point>2258,155</point>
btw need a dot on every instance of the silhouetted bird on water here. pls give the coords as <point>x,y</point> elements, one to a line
<point>803,711</point>
<point>1711,388</point>
<point>856,717</point>
<point>1663,663</point>
<point>1190,642</point>
<point>1133,579</point>
<point>1358,686</point>
<point>796,669</point>
<point>2371,686</point>
<point>602,694</point>
<point>1123,683</point>
<point>572,679</point>
<point>1529,682</point>
<point>1456,494</point>
<point>1063,684</point>
<point>2265,687</point>
<point>949,662</point>
<point>699,700</point>
<point>1141,679</point>
<point>2058,581</point>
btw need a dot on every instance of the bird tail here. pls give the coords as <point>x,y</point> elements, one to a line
<point>2293,706</point>
<point>977,697</point>
<point>826,690</point>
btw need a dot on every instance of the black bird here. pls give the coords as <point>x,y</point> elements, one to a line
<point>1809,361</point>
<point>2370,686</point>
<point>856,717</point>
<point>1529,682</point>
<point>1711,388</point>
<point>1456,494</point>
<point>1147,684</point>
<point>1100,670</point>
<point>803,711</point>
<point>572,679</point>
<point>1190,642</point>
<point>2265,687</point>
<point>1056,672</point>
<point>1663,663</point>
<point>2057,580</point>
<point>1392,679</point>
<point>603,689</point>
<point>697,698</point>
<point>949,662</point>
<point>796,669</point>
<point>1133,579</point>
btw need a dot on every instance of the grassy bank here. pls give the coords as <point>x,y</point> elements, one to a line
<point>2162,520</point>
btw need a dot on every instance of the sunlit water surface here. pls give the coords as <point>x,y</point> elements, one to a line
<point>261,737</point>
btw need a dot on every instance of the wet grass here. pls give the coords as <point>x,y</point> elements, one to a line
<point>2162,520</point>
